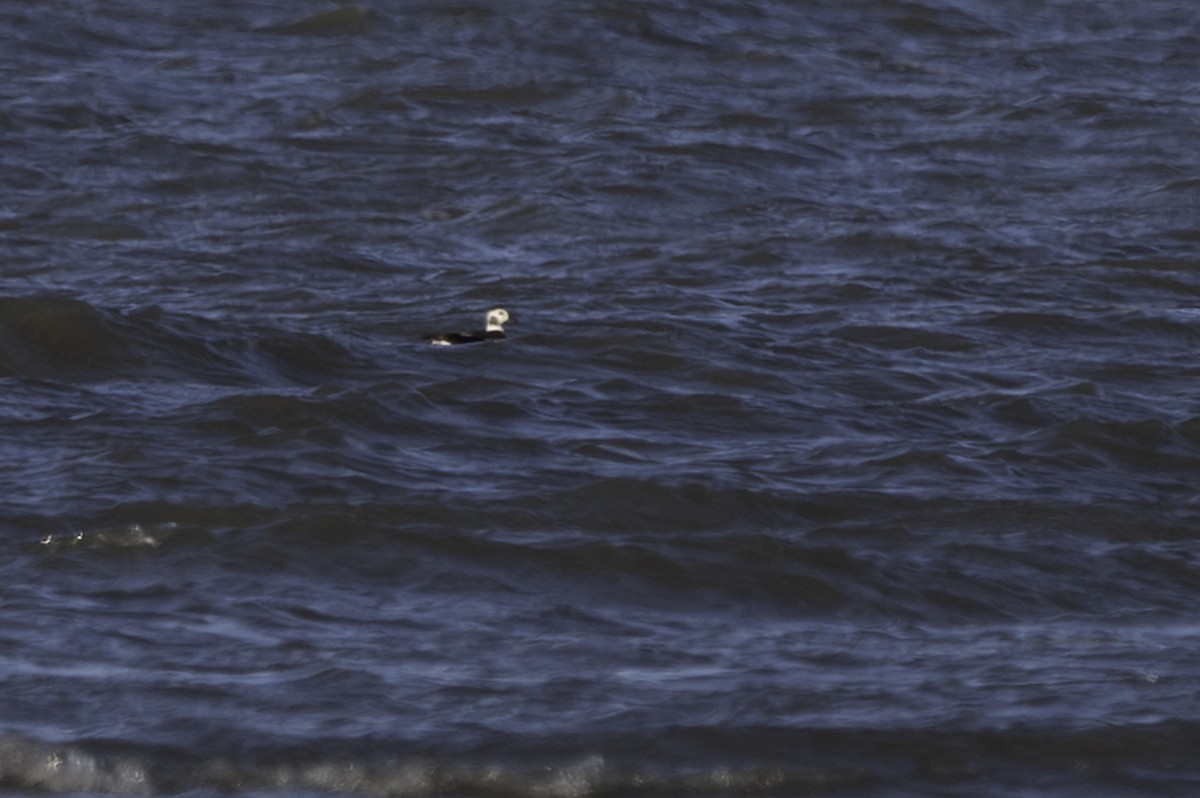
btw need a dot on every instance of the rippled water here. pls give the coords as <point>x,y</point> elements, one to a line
<point>846,441</point>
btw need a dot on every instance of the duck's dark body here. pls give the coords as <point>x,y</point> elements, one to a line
<point>451,338</point>
<point>496,318</point>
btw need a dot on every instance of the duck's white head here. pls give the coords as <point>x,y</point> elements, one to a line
<point>496,319</point>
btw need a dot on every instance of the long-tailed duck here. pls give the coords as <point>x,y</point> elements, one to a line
<point>496,319</point>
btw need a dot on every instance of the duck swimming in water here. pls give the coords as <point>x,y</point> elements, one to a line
<point>496,319</point>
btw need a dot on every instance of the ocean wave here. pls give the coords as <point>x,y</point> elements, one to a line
<point>847,440</point>
<point>885,556</point>
<point>815,761</point>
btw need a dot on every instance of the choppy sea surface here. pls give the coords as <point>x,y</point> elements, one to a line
<point>847,441</point>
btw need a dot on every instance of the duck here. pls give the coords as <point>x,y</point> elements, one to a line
<point>494,331</point>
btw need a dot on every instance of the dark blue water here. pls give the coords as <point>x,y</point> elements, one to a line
<point>846,442</point>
